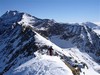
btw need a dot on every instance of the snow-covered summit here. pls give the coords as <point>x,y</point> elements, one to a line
<point>27,20</point>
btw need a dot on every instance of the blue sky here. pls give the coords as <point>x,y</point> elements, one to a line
<point>60,10</point>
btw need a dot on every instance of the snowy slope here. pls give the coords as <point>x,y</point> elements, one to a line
<point>43,65</point>
<point>61,42</point>
<point>97,31</point>
<point>83,57</point>
<point>48,65</point>
<point>71,50</point>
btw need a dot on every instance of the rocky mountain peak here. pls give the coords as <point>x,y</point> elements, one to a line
<point>21,35</point>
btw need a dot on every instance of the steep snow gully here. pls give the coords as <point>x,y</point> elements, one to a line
<point>33,46</point>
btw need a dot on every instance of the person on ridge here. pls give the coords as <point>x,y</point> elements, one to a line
<point>50,50</point>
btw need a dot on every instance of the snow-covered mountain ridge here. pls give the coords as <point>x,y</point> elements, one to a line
<point>24,42</point>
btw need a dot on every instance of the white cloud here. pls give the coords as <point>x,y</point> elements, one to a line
<point>98,23</point>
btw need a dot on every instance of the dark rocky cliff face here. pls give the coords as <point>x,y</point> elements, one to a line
<point>16,44</point>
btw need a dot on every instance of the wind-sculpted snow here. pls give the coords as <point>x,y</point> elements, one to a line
<point>43,65</point>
